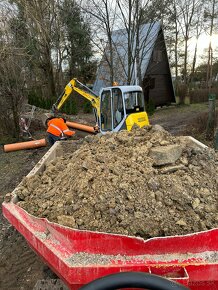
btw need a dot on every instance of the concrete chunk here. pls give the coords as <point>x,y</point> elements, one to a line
<point>163,155</point>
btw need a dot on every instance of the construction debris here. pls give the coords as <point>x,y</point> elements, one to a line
<point>144,183</point>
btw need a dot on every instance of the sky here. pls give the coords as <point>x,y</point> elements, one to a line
<point>203,43</point>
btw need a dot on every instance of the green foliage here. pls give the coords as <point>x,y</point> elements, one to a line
<point>7,139</point>
<point>18,28</point>
<point>201,72</point>
<point>150,107</point>
<point>78,36</point>
<point>70,107</point>
<point>39,101</point>
<point>87,107</point>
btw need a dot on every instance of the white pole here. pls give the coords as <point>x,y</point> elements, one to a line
<point>136,77</point>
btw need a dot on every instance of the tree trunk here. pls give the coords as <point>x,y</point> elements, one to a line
<point>210,51</point>
<point>129,49</point>
<point>49,73</point>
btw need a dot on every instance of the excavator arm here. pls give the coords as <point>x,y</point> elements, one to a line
<point>84,91</point>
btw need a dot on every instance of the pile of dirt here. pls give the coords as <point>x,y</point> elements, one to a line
<point>144,183</point>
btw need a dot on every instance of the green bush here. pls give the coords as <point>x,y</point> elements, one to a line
<point>150,107</point>
<point>70,107</point>
<point>87,108</point>
<point>40,102</point>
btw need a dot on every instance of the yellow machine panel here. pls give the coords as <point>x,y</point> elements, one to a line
<point>139,119</point>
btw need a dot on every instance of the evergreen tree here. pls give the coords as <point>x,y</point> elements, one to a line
<point>77,40</point>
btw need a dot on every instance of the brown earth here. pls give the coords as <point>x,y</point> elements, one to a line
<point>20,268</point>
<point>144,183</point>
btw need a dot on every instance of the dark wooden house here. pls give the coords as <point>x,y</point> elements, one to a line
<point>153,65</point>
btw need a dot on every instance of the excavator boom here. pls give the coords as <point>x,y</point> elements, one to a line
<point>75,85</point>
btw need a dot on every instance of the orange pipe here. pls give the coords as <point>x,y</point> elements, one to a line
<point>81,127</point>
<point>24,145</point>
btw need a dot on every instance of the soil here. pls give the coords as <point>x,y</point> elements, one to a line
<point>141,174</point>
<point>20,268</point>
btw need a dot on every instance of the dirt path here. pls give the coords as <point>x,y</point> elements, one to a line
<point>177,120</point>
<point>20,268</point>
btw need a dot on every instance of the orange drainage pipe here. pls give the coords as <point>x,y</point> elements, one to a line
<point>24,145</point>
<point>81,127</point>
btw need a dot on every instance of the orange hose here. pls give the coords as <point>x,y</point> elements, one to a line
<point>24,145</point>
<point>81,127</point>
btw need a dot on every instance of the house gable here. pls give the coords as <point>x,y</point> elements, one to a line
<point>153,63</point>
<point>157,82</point>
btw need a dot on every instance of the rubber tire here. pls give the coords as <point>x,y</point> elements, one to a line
<point>133,280</point>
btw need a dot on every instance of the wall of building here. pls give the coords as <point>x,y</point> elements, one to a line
<point>157,82</point>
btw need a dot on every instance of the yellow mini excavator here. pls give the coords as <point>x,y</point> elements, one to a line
<point>116,108</point>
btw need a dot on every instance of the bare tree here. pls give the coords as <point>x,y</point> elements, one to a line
<point>135,13</point>
<point>187,9</point>
<point>198,25</point>
<point>103,16</point>
<point>12,75</point>
<point>39,20</point>
<point>58,47</point>
<point>211,13</point>
<point>119,28</point>
<point>185,18</point>
<point>170,22</point>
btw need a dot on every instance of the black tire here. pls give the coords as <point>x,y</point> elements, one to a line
<point>133,280</point>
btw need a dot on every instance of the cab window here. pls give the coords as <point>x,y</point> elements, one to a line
<point>118,109</point>
<point>134,102</point>
<point>106,111</point>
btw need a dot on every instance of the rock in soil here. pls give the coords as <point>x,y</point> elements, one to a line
<point>143,183</point>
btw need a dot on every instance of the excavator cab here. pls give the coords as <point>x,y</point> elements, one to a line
<point>121,107</point>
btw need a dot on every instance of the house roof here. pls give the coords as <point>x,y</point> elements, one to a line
<point>148,35</point>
